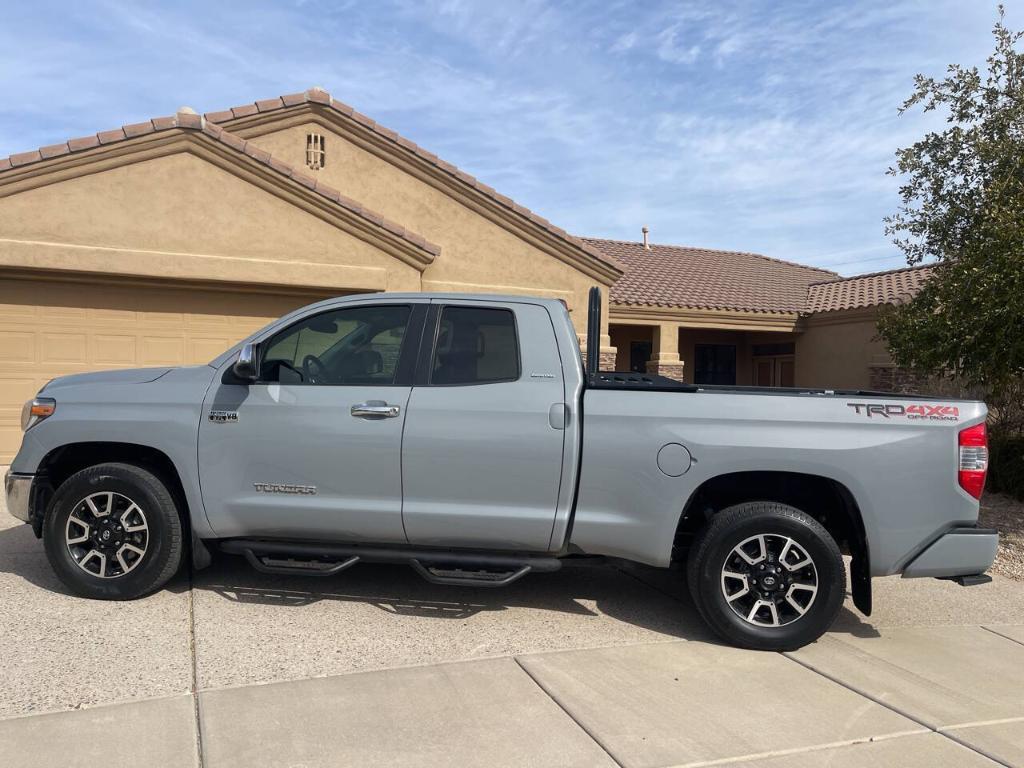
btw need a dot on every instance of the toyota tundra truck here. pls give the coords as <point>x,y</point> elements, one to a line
<point>464,436</point>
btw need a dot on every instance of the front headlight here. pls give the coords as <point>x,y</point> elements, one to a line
<point>36,410</point>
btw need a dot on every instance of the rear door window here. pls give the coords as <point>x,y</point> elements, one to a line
<point>475,346</point>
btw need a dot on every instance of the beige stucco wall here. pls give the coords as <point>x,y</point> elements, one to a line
<point>837,349</point>
<point>621,338</point>
<point>181,216</point>
<point>477,254</point>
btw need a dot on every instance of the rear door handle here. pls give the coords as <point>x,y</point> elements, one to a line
<point>375,409</point>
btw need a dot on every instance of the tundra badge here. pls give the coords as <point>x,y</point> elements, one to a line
<point>309,490</point>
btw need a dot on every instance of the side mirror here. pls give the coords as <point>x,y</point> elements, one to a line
<point>245,366</point>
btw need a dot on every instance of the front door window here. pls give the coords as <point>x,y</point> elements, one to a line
<point>355,346</point>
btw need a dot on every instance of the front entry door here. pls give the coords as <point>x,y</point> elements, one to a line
<point>774,371</point>
<point>482,455</point>
<point>313,448</point>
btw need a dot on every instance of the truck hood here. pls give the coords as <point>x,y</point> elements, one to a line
<point>124,376</point>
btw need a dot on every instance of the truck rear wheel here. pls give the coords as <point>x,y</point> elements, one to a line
<point>112,532</point>
<point>766,576</point>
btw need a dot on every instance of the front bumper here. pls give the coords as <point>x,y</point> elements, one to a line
<point>961,552</point>
<point>18,489</point>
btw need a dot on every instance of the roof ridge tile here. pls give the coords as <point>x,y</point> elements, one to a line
<point>639,244</point>
<point>876,274</point>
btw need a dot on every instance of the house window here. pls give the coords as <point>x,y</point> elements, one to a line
<point>714,364</point>
<point>316,155</point>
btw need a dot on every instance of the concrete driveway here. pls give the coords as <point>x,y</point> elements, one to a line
<point>595,665</point>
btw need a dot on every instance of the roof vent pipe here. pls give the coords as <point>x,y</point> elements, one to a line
<point>647,245</point>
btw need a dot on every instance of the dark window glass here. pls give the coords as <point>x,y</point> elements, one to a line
<point>714,364</point>
<point>764,350</point>
<point>639,354</point>
<point>356,346</point>
<point>475,346</point>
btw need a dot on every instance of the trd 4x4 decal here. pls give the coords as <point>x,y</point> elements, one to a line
<point>911,412</point>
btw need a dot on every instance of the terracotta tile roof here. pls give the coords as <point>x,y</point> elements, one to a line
<point>317,96</point>
<point>870,290</point>
<point>700,278</point>
<point>191,121</point>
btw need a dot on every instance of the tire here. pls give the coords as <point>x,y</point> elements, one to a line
<point>119,510</point>
<point>740,550</point>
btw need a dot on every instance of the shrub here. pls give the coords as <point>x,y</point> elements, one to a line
<point>1006,464</point>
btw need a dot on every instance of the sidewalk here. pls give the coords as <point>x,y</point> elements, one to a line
<point>592,666</point>
<point>911,697</point>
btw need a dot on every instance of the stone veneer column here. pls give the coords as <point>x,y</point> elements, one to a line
<point>665,357</point>
<point>892,378</point>
<point>607,354</point>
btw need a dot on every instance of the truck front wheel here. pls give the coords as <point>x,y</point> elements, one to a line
<point>766,576</point>
<point>112,532</point>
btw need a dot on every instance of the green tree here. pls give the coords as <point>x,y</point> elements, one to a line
<point>963,208</point>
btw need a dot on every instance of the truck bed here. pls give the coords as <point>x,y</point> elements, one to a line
<point>628,381</point>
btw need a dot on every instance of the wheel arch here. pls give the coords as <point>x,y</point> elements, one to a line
<point>827,500</point>
<point>62,462</point>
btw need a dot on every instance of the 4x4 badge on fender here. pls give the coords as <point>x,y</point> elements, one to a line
<point>224,417</point>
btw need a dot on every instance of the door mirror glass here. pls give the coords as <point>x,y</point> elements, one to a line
<point>245,366</point>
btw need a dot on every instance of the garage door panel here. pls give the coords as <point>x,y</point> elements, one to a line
<point>207,349</point>
<point>162,350</point>
<point>157,319</point>
<point>51,328</point>
<point>17,347</point>
<point>62,348</point>
<point>117,350</point>
<point>16,390</point>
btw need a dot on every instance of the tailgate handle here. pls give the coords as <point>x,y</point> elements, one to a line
<point>375,409</point>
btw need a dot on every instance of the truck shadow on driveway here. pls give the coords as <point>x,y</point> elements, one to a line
<point>589,593</point>
<point>649,599</point>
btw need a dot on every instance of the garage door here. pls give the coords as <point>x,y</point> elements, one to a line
<point>53,328</point>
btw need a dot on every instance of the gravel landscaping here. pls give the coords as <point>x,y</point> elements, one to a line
<point>1006,514</point>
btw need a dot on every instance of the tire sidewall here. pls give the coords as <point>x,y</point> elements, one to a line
<point>149,494</point>
<point>810,536</point>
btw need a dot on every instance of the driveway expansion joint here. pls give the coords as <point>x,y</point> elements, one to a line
<point>928,728</point>
<point>1000,634</point>
<point>195,671</point>
<point>568,714</point>
<point>799,750</point>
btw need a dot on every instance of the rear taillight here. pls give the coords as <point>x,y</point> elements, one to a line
<point>973,459</point>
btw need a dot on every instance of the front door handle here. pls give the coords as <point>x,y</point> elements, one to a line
<point>375,409</point>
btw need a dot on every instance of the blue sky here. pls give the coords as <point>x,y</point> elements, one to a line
<point>743,125</point>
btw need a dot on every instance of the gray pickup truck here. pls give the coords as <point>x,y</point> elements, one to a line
<point>464,436</point>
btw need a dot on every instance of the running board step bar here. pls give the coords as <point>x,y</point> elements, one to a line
<point>290,565</point>
<point>467,578</point>
<point>450,567</point>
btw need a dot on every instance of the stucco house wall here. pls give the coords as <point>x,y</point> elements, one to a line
<point>839,349</point>
<point>480,252</point>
